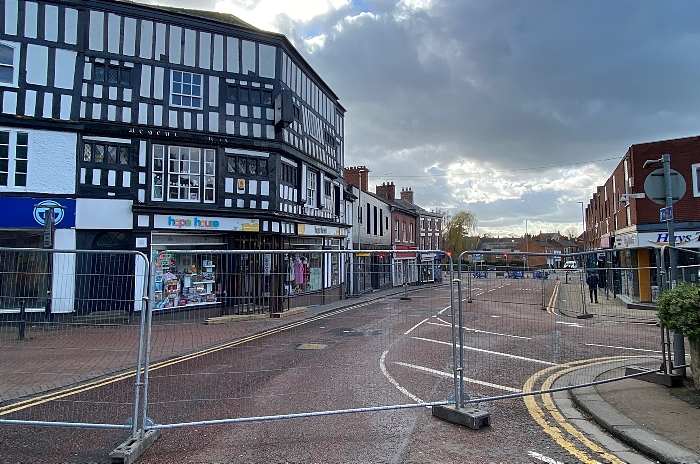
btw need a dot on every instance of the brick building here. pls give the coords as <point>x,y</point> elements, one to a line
<point>624,222</point>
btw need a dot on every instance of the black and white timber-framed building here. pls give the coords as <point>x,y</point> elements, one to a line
<point>158,128</point>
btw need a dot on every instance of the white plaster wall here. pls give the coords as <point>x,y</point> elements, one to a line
<point>103,214</point>
<point>51,162</point>
<point>63,279</point>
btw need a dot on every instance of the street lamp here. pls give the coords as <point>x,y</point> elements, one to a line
<point>583,225</point>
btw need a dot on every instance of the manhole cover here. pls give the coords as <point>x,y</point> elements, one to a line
<point>311,346</point>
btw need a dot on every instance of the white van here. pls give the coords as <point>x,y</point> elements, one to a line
<point>571,265</point>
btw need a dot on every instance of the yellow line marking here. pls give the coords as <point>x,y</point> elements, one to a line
<point>555,431</point>
<point>552,299</point>
<point>74,390</point>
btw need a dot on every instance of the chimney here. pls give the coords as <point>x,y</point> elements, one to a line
<point>387,191</point>
<point>407,195</point>
<point>358,176</point>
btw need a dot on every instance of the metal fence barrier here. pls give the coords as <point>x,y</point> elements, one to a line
<point>70,321</point>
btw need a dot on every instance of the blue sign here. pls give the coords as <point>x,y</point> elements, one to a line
<point>30,213</point>
<point>666,214</point>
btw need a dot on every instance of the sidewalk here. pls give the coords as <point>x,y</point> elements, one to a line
<point>660,422</point>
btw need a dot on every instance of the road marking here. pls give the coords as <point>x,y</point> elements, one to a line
<point>466,379</point>
<point>572,324</point>
<point>543,458</point>
<point>555,431</point>
<point>623,348</point>
<point>495,333</point>
<point>414,327</point>
<point>512,356</point>
<point>391,380</point>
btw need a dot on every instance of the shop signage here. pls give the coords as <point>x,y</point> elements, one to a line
<point>30,213</point>
<point>205,223</point>
<point>686,239</point>
<point>306,229</point>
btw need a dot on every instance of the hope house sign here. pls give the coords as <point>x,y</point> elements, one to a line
<point>205,223</point>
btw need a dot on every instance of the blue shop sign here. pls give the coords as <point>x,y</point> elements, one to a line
<point>24,213</point>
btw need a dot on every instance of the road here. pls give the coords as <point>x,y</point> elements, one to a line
<point>372,355</point>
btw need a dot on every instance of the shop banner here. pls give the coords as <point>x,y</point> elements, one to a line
<point>683,239</point>
<point>30,213</point>
<point>205,223</point>
<point>308,229</point>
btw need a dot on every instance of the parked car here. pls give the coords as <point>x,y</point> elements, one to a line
<point>571,265</point>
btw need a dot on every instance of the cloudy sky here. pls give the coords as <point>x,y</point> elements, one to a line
<point>514,110</point>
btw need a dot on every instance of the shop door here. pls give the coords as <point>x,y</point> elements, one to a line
<point>112,274</point>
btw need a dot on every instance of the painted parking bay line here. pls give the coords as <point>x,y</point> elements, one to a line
<point>489,352</point>
<point>466,379</point>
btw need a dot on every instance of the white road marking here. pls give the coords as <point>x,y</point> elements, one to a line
<point>495,333</point>
<point>447,374</point>
<point>623,348</point>
<point>391,380</point>
<point>415,326</point>
<point>490,352</point>
<point>572,324</point>
<point>543,458</point>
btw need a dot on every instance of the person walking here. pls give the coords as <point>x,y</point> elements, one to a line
<point>592,281</point>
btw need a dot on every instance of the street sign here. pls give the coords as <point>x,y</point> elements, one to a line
<point>627,196</point>
<point>666,214</point>
<point>655,186</point>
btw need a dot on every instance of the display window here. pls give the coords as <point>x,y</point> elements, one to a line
<point>303,272</point>
<point>24,275</point>
<point>185,279</point>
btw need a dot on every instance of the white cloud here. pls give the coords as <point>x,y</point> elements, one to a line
<point>265,14</point>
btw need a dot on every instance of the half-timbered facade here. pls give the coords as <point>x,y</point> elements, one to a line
<point>159,128</point>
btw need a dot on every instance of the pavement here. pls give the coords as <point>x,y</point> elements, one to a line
<point>661,423</point>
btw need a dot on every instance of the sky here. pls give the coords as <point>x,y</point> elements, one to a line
<point>514,110</point>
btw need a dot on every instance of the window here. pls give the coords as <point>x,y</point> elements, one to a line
<point>13,158</point>
<point>695,173</point>
<point>410,232</point>
<point>9,64</point>
<point>289,174</point>
<point>186,90</point>
<point>403,231</point>
<point>329,139</point>
<point>396,231</point>
<point>311,186</point>
<point>111,74</point>
<point>190,174</point>
<point>249,95</point>
<point>101,152</point>
<point>246,166</point>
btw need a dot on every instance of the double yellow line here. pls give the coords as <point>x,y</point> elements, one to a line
<point>555,424</point>
<point>74,390</point>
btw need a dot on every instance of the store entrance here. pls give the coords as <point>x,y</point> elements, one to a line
<point>112,274</point>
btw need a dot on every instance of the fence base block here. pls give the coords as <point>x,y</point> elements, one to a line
<point>468,417</point>
<point>131,449</point>
<point>584,316</point>
<point>668,380</point>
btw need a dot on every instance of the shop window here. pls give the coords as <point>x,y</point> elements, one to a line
<point>9,64</point>
<point>695,170</point>
<point>190,174</point>
<point>303,272</point>
<point>13,158</point>
<point>26,275</point>
<point>186,90</point>
<point>111,74</point>
<point>184,279</point>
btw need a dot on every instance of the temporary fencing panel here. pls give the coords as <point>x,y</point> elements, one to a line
<point>70,321</point>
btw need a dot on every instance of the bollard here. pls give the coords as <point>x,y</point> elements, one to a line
<point>48,315</point>
<point>405,293</point>
<point>22,322</point>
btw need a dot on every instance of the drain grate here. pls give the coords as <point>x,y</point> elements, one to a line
<point>311,346</point>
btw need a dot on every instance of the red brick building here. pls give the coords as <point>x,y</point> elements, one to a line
<point>622,219</point>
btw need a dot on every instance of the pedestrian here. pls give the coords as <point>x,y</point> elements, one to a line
<point>592,281</point>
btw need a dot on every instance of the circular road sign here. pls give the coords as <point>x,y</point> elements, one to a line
<point>655,186</point>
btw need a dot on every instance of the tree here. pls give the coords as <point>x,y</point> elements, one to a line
<point>455,231</point>
<point>571,233</point>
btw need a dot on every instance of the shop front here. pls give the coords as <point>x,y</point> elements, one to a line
<point>314,273</point>
<point>27,278</point>
<point>405,266</point>
<point>191,268</point>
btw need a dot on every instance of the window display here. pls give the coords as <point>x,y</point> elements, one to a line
<point>303,272</point>
<point>184,280</point>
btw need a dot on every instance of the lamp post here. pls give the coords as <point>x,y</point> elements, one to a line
<point>583,225</point>
<point>526,259</point>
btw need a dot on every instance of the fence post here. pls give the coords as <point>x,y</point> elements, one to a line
<point>22,318</point>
